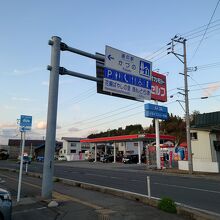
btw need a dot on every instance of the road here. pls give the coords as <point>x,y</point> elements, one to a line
<point>201,193</point>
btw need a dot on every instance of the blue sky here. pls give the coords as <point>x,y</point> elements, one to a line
<point>138,27</point>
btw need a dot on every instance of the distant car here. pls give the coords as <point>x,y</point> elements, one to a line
<point>62,158</point>
<point>130,158</point>
<point>5,205</point>
<point>40,159</point>
<point>26,159</point>
<point>3,154</point>
<point>108,159</point>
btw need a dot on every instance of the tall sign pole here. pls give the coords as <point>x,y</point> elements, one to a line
<point>21,165</point>
<point>48,169</point>
<point>157,132</point>
<point>25,125</point>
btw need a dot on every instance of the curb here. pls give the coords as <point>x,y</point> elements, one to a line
<point>182,209</point>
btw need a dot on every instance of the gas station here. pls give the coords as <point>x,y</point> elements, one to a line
<point>131,144</point>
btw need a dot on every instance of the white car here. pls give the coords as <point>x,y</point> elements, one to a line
<point>62,158</point>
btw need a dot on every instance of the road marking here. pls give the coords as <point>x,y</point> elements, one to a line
<point>91,174</point>
<point>113,177</point>
<point>137,181</point>
<point>185,187</point>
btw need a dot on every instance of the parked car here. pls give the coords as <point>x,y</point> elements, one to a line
<point>5,205</point>
<point>40,159</point>
<point>62,158</point>
<point>3,154</point>
<point>130,158</point>
<point>26,159</point>
<point>108,159</point>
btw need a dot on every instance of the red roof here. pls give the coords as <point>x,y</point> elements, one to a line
<point>127,138</point>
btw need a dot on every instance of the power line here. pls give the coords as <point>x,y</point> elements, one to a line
<point>204,32</point>
<point>195,29</point>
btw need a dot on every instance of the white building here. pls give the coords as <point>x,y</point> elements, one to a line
<point>72,148</point>
<point>205,144</point>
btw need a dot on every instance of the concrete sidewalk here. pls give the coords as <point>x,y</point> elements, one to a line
<point>74,203</point>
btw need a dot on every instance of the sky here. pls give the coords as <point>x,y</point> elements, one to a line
<point>141,27</point>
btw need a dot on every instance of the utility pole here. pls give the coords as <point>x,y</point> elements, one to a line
<point>182,58</point>
<point>48,168</point>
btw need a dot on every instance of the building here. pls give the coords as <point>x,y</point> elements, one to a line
<point>29,148</point>
<point>126,144</point>
<point>205,143</point>
<point>33,148</point>
<point>72,148</point>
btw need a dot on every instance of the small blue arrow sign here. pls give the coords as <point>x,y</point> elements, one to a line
<point>110,57</point>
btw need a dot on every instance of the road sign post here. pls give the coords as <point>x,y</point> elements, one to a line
<point>157,112</point>
<point>25,125</point>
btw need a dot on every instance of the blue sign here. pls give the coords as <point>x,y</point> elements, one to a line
<point>127,78</point>
<point>156,111</point>
<point>157,115</point>
<point>25,122</point>
<point>157,108</point>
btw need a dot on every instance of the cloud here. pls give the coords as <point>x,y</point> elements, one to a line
<point>76,108</point>
<point>211,89</point>
<point>20,99</point>
<point>45,83</point>
<point>6,134</point>
<point>7,107</point>
<point>17,72</point>
<point>73,129</point>
<point>43,125</point>
<point>59,127</point>
<point>9,125</point>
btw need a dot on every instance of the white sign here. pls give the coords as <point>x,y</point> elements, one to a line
<point>127,74</point>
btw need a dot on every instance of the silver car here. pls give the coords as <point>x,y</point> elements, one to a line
<point>5,205</point>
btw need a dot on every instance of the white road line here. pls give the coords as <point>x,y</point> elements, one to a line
<point>137,181</point>
<point>91,174</point>
<point>113,177</point>
<point>191,188</point>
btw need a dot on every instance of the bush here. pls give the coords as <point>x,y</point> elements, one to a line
<point>168,205</point>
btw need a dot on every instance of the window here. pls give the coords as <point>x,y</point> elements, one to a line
<point>72,151</point>
<point>194,136</point>
<point>136,144</point>
<point>64,151</point>
<point>72,144</point>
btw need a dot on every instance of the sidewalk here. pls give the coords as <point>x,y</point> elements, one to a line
<point>74,203</point>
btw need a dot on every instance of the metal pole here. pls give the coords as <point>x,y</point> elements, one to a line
<point>139,152</point>
<point>48,169</point>
<point>95,153</point>
<point>148,187</point>
<point>21,166</point>
<point>114,153</point>
<point>26,167</point>
<point>187,111</point>
<point>157,131</point>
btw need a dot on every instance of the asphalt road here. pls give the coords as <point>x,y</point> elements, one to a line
<point>201,193</point>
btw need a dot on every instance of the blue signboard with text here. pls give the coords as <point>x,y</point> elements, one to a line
<point>156,111</point>
<point>25,122</point>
